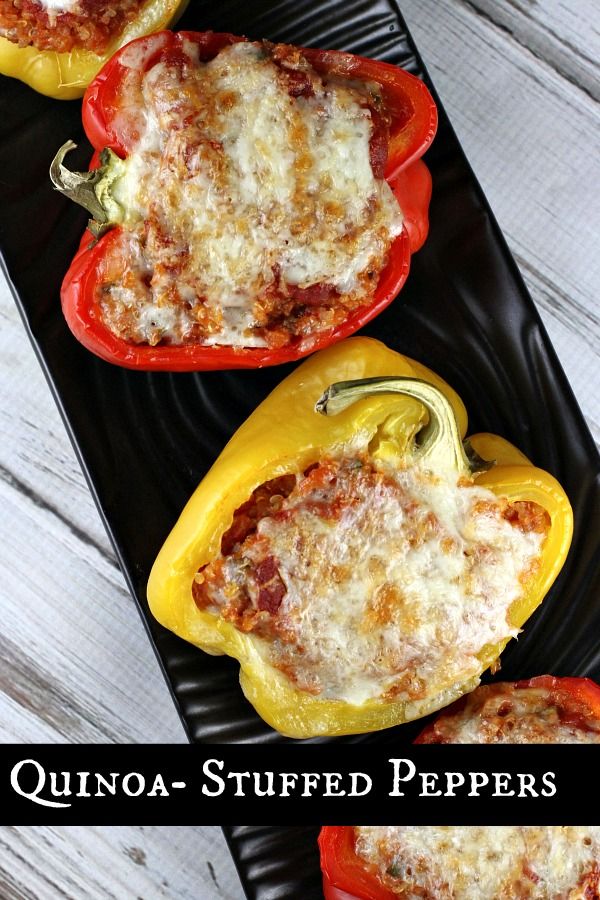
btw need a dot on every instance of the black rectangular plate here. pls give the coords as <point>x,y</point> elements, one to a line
<point>276,862</point>
<point>146,439</point>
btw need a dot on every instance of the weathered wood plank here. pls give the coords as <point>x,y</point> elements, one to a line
<point>563,35</point>
<point>101,863</point>
<point>531,135</point>
<point>75,660</point>
<point>35,453</point>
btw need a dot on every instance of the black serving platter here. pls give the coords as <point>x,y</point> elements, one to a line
<point>145,439</point>
<point>276,862</point>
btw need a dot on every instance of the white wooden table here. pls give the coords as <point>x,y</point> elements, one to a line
<point>519,82</point>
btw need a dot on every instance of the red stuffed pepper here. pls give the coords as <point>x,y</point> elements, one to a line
<point>460,862</point>
<point>252,202</point>
<point>345,874</point>
<point>542,710</point>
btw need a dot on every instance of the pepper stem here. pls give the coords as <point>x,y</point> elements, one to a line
<point>438,443</point>
<point>92,190</point>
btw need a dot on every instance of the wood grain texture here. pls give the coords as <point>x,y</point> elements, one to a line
<point>115,863</point>
<point>519,80</point>
<point>530,129</point>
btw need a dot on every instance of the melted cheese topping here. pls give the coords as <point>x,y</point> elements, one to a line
<point>390,581</point>
<point>59,5</point>
<point>480,863</point>
<point>61,26</point>
<point>238,196</point>
<point>505,714</point>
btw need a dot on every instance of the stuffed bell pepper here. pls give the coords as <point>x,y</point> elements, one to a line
<point>461,862</point>
<point>251,202</point>
<point>58,46</point>
<point>362,562</point>
<point>542,710</point>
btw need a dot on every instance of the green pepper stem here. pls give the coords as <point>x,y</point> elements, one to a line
<point>438,443</point>
<point>92,190</point>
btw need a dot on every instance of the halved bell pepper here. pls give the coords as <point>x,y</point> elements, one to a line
<point>518,869</point>
<point>573,701</point>
<point>413,126</point>
<point>345,875</point>
<point>415,415</point>
<point>65,76</point>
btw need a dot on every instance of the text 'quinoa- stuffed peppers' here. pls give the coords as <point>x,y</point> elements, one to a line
<point>360,562</point>
<point>460,862</point>
<point>58,47</point>
<point>253,202</point>
<point>541,710</point>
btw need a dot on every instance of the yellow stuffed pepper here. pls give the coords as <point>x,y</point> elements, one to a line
<point>362,562</point>
<point>58,47</point>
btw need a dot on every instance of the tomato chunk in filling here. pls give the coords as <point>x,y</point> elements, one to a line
<point>507,713</point>
<point>256,212</point>
<point>371,581</point>
<point>63,25</point>
<point>454,862</point>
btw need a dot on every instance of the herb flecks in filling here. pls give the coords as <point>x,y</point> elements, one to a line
<point>372,581</point>
<point>506,714</point>
<point>453,862</point>
<point>256,209</point>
